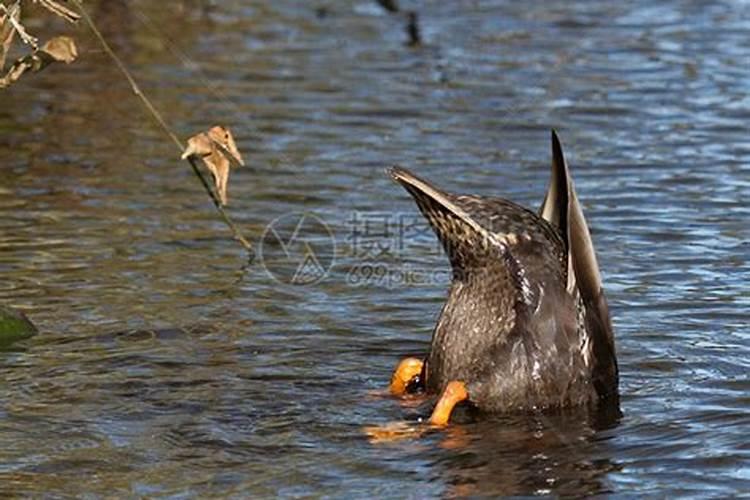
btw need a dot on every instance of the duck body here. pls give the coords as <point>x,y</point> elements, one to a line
<point>514,336</point>
<point>525,326</point>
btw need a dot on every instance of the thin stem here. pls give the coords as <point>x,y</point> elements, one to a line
<point>160,120</point>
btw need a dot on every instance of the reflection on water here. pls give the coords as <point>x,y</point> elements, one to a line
<point>167,366</point>
<point>528,455</point>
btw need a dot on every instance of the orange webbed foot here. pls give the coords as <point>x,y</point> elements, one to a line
<point>454,393</point>
<point>407,372</point>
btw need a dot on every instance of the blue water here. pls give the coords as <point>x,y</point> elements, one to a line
<point>167,366</point>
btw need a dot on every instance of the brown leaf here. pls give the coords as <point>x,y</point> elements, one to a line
<point>61,48</point>
<point>6,30</point>
<point>216,147</point>
<point>60,10</point>
<point>223,137</point>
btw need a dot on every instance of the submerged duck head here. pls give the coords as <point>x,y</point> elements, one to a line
<point>526,324</point>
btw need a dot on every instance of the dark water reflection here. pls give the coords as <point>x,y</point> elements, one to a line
<point>167,367</point>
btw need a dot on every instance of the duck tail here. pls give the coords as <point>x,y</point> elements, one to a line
<point>562,208</point>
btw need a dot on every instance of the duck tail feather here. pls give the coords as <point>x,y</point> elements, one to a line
<point>562,208</point>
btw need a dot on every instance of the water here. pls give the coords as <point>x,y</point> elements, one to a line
<point>166,366</point>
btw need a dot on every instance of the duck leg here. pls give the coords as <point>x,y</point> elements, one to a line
<point>454,393</point>
<point>406,376</point>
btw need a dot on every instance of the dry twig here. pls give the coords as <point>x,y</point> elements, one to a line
<point>13,14</point>
<point>160,120</point>
<point>60,10</point>
<point>6,28</point>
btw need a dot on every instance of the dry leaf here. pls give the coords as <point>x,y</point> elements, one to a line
<point>6,29</point>
<point>217,149</point>
<point>61,48</point>
<point>222,137</point>
<point>60,10</point>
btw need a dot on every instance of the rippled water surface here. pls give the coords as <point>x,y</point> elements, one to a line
<point>168,366</point>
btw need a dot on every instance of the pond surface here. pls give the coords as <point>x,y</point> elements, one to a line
<point>167,366</point>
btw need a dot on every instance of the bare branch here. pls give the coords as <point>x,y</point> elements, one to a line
<point>60,10</point>
<point>13,19</point>
<point>6,29</point>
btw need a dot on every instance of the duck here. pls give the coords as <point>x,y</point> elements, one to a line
<point>526,325</point>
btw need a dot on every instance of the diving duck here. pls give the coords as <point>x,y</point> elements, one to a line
<point>526,325</point>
